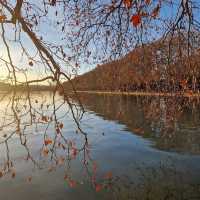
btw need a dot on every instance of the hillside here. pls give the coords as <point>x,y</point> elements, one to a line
<point>148,67</point>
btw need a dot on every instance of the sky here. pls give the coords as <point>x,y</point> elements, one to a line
<point>48,30</point>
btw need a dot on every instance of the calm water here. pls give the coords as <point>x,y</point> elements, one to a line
<point>138,148</point>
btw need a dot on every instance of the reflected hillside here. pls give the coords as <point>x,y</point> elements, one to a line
<point>172,123</point>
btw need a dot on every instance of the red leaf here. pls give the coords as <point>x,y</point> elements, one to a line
<point>74,152</point>
<point>58,131</point>
<point>98,187</point>
<point>136,20</point>
<point>72,183</point>
<point>65,177</point>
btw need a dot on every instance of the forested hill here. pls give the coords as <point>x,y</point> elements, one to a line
<point>151,67</point>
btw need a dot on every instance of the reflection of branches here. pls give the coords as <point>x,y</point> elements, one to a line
<point>21,108</point>
<point>56,148</point>
<point>44,117</point>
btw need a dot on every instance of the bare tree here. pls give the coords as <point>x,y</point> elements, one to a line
<point>45,41</point>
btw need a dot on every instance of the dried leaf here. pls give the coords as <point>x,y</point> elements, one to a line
<point>29,179</point>
<point>155,11</point>
<point>30,63</point>
<point>44,118</point>
<point>1,174</point>
<point>53,2</point>
<point>60,161</point>
<point>13,174</point>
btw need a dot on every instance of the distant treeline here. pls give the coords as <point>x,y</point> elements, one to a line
<point>7,87</point>
<point>148,68</point>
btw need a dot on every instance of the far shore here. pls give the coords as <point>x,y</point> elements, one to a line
<point>162,94</point>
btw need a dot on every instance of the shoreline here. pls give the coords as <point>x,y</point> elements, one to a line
<point>159,94</point>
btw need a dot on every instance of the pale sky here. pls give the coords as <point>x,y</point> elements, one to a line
<point>48,30</point>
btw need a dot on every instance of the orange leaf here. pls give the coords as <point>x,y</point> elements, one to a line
<point>47,142</point>
<point>61,125</point>
<point>127,3</point>
<point>183,83</point>
<point>45,152</point>
<point>13,174</point>
<point>2,18</point>
<point>190,92</point>
<point>136,20</point>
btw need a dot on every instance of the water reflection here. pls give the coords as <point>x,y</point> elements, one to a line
<point>172,123</point>
<point>51,159</point>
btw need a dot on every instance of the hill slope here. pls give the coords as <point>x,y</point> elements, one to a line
<point>149,67</point>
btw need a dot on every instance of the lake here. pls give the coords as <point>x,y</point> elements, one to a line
<point>135,148</point>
